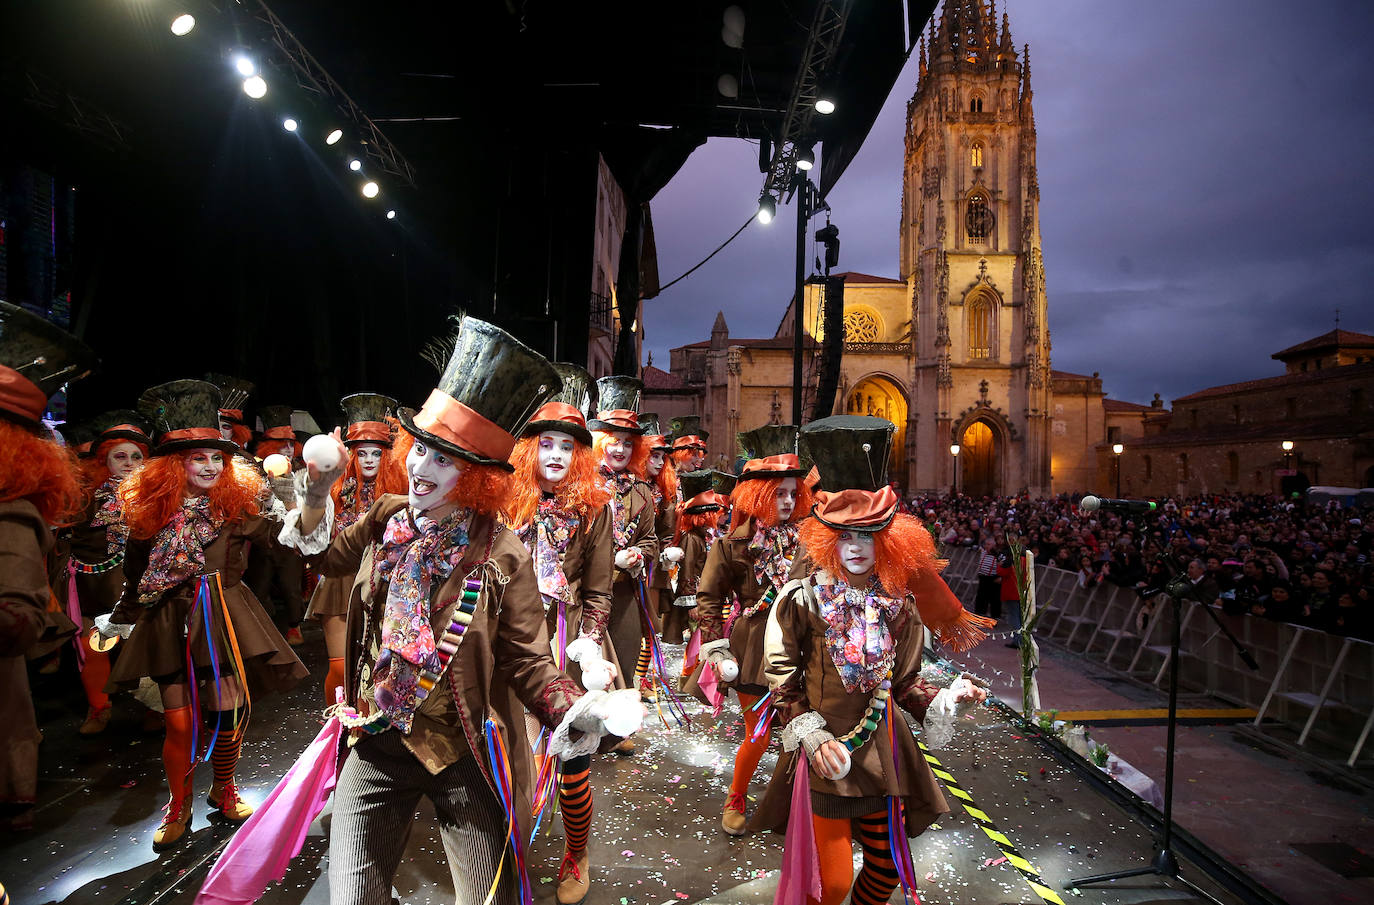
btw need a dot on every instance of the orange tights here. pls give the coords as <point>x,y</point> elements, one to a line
<point>750,752</point>
<point>834,846</point>
<point>176,751</point>
<point>333,679</point>
<point>95,672</point>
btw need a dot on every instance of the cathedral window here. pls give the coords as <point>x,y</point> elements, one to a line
<point>861,326</point>
<point>978,218</point>
<point>978,316</point>
<point>975,104</point>
<point>975,154</point>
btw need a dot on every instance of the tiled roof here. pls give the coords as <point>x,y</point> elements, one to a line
<point>659,379</point>
<point>1275,431</point>
<point>1269,383</point>
<point>1120,405</point>
<point>1068,375</point>
<point>1330,340</point>
<point>852,276</point>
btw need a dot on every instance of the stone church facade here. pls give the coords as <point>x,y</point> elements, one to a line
<point>955,351</point>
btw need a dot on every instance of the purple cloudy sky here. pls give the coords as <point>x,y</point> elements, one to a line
<point>1205,192</point>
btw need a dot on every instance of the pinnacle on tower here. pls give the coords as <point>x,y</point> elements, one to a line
<point>923,70</point>
<point>1008,48</point>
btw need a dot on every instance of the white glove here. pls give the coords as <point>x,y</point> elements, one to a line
<point>109,630</point>
<point>673,554</point>
<point>628,558</point>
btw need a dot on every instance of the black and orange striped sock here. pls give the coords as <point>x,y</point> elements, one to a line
<point>878,876</point>
<point>575,800</point>
<point>642,667</point>
<point>225,758</point>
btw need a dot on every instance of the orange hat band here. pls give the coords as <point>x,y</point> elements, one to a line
<point>369,432</point>
<point>706,499</point>
<point>658,442</point>
<point>862,510</point>
<point>279,433</point>
<point>560,411</point>
<point>448,419</point>
<point>128,428</point>
<point>20,395</point>
<point>620,418</point>
<point>691,441</point>
<point>762,468</point>
<point>190,433</point>
<point>234,415</point>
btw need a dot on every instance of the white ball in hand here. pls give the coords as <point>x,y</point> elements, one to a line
<point>596,675</point>
<point>322,451</point>
<point>846,763</point>
<point>276,465</point>
<point>729,670</point>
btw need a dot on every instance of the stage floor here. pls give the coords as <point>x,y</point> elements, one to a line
<point>655,836</point>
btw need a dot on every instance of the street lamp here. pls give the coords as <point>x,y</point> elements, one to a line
<point>1117,450</point>
<point>954,451</point>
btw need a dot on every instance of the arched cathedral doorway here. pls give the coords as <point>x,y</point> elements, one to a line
<point>880,398</point>
<point>979,460</point>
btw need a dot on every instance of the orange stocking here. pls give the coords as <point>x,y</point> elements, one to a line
<point>835,850</point>
<point>94,674</point>
<point>750,752</point>
<point>176,751</point>
<point>333,679</point>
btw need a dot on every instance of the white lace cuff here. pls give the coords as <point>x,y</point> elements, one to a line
<point>685,602</point>
<point>110,629</point>
<point>310,544</point>
<point>943,713</point>
<point>801,731</point>
<point>582,719</point>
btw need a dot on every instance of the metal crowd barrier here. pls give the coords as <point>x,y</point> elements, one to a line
<point>1318,684</point>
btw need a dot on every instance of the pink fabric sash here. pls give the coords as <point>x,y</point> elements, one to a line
<point>801,863</point>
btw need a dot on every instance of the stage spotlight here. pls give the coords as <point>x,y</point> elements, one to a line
<point>391,215</point>
<point>255,87</point>
<point>825,105</point>
<point>767,208</point>
<point>244,65</point>
<point>183,24</point>
<point>370,190</point>
<point>333,137</point>
<point>806,159</point>
<point>290,124</point>
<point>355,164</point>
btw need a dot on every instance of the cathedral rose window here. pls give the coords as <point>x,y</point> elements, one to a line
<point>860,327</point>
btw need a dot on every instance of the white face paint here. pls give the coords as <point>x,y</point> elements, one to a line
<point>203,468</point>
<point>432,475</point>
<point>656,460</point>
<point>226,429</point>
<point>856,551</point>
<point>786,498</point>
<point>369,456</point>
<point>555,458</point>
<point>618,450</point>
<point>697,460</point>
<point>123,459</point>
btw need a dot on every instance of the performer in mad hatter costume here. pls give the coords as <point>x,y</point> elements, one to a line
<point>689,443</point>
<point>40,486</point>
<point>448,643</point>
<point>369,472</point>
<point>234,394</point>
<point>698,524</point>
<point>743,575</point>
<point>277,573</point>
<point>842,646</point>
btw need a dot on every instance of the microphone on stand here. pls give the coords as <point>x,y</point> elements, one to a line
<point>1130,507</point>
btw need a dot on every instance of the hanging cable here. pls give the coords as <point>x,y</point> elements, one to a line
<point>711,255</point>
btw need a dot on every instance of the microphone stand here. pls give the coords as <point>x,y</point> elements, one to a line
<point>1164,863</point>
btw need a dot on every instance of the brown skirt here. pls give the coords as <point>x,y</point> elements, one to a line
<point>746,645</point>
<point>157,646</point>
<point>330,598</point>
<point>675,621</point>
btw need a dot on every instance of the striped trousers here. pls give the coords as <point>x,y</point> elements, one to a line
<point>379,788</point>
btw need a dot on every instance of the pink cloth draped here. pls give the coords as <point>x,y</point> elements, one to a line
<point>710,686</point>
<point>801,863</point>
<point>74,614</point>
<point>263,847</point>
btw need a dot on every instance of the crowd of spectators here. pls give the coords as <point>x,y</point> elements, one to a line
<point>1262,555</point>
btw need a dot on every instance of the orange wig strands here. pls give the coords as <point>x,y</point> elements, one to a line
<point>95,469</point>
<point>666,482</point>
<point>485,489</point>
<point>906,563</point>
<point>686,521</point>
<point>152,495</point>
<point>391,477</point>
<point>756,498</point>
<point>579,492</point>
<point>639,457</point>
<point>42,472</point>
<point>240,434</point>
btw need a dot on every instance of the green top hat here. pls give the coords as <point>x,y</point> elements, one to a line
<point>490,387</point>
<point>233,393</point>
<point>648,422</point>
<point>618,403</point>
<point>723,482</point>
<point>120,424</point>
<point>365,415</point>
<point>769,440</point>
<point>274,423</point>
<point>851,452</point>
<point>686,426</point>
<point>184,415</point>
<point>695,483</point>
<point>579,390</point>
<point>37,359</point>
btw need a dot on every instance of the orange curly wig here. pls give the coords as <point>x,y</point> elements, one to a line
<point>151,496</point>
<point>43,472</point>
<point>485,489</point>
<point>687,521</point>
<point>95,470</point>
<point>755,498</point>
<point>580,491</point>
<point>639,457</point>
<point>391,476</point>
<point>906,564</point>
<point>240,434</point>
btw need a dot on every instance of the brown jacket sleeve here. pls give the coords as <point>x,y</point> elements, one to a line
<point>521,647</point>
<point>597,556</point>
<point>913,693</point>
<point>693,558</point>
<point>23,577</point>
<point>717,581</point>
<point>645,537</point>
<point>135,564</point>
<point>786,648</point>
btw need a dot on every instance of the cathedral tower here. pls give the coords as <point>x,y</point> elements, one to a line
<point>970,256</point>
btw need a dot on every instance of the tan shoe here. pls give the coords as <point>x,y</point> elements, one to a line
<point>224,797</point>
<point>574,879</point>
<point>626,747</point>
<point>175,824</point>
<point>733,820</point>
<point>97,718</point>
